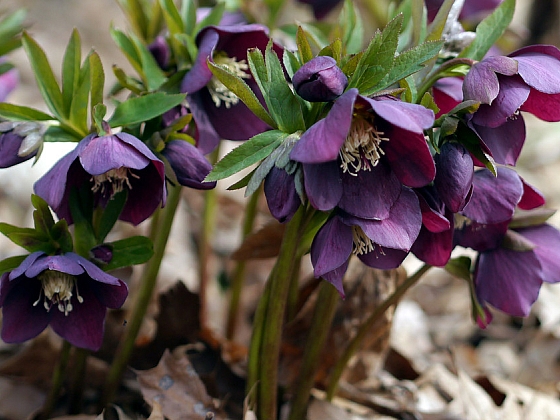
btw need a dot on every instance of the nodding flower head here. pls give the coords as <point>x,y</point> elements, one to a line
<point>320,80</point>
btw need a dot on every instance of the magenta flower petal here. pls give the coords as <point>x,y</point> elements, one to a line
<point>323,185</point>
<point>434,248</point>
<point>531,199</point>
<point>494,198</point>
<point>542,105</point>
<point>322,142</point>
<point>331,247</point>
<point>508,280</point>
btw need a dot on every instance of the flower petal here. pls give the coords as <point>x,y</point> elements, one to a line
<point>481,82</point>
<point>540,71</point>
<point>189,164</point>
<point>409,117</point>
<point>383,258</point>
<point>331,247</point>
<point>455,171</point>
<point>543,106</point>
<point>547,239</point>
<point>504,142</point>
<point>323,185</point>
<point>322,142</point>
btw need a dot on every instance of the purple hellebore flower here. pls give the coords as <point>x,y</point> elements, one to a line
<point>110,164</point>
<point>8,82</point>
<point>357,157</point>
<point>380,244</point>
<point>281,195</point>
<point>510,280</point>
<point>447,93</point>
<point>473,10</point>
<point>321,8</point>
<point>526,80</point>
<point>189,164</point>
<point>320,80</point>
<point>218,112</point>
<point>79,291</point>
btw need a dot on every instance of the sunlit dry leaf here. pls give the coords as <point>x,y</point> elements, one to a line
<point>175,385</point>
<point>156,411</point>
<point>264,243</point>
<point>113,413</point>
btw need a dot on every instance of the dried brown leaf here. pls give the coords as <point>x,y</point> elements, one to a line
<point>175,385</point>
<point>264,243</point>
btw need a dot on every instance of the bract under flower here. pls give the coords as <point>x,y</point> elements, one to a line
<point>67,292</point>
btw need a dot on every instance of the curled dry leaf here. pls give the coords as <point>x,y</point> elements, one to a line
<point>176,387</point>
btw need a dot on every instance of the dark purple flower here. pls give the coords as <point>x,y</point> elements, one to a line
<point>161,52</point>
<point>218,112</point>
<point>380,244</point>
<point>281,195</point>
<point>454,175</point>
<point>447,93</point>
<point>526,80</point>
<point>357,157</point>
<point>321,8</point>
<point>188,164</point>
<point>66,291</point>
<point>510,280</point>
<point>109,164</point>
<point>473,10</point>
<point>320,80</point>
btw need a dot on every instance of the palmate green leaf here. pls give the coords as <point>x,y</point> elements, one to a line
<point>291,63</point>
<point>61,236</point>
<point>22,113</point>
<point>11,263</point>
<point>144,108</point>
<point>405,64</point>
<point>46,81</point>
<point>129,251</point>
<point>282,104</point>
<point>246,154</point>
<point>71,70</point>
<point>377,60</point>
<point>238,86</point>
<point>490,30</point>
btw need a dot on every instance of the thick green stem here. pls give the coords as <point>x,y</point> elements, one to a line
<point>325,308</point>
<point>273,321</point>
<point>366,328</point>
<point>239,271</point>
<point>57,381</point>
<point>78,375</point>
<point>142,299</point>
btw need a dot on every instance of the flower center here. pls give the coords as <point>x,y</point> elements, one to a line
<point>362,244</point>
<point>218,91</point>
<point>57,290</point>
<point>362,149</point>
<point>115,178</point>
<point>460,221</point>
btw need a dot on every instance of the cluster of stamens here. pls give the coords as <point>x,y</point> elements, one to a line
<point>460,221</point>
<point>362,244</point>
<point>362,149</point>
<point>116,178</point>
<point>57,290</point>
<point>218,91</point>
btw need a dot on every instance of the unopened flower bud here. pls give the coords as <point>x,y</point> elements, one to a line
<point>320,80</point>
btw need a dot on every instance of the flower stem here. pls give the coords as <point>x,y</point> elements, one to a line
<point>78,375</point>
<point>269,329</point>
<point>57,381</point>
<point>323,315</point>
<point>142,299</point>
<point>439,72</point>
<point>366,328</point>
<point>210,199</point>
<point>239,271</point>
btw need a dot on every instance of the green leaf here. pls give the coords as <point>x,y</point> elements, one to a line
<point>50,91</point>
<point>377,60</point>
<point>110,215</point>
<point>405,64</point>
<point>61,236</point>
<point>11,25</point>
<point>283,105</point>
<point>188,14</point>
<point>56,135</point>
<point>303,47</point>
<point>353,30</point>
<point>129,251</point>
<point>490,30</point>
<point>11,263</point>
<point>291,62</point>
<point>81,208</point>
<point>136,14</point>
<point>97,80</point>
<point>144,108</point>
<point>78,115</point>
<point>255,59</point>
<point>242,182</point>
<point>435,30</point>
<point>22,113</point>
<point>247,154</point>
<point>29,239</point>
<point>172,17</point>
<point>42,215</point>
<point>71,70</point>
<point>212,18</point>
<point>152,75</point>
<point>128,82</point>
<point>459,267</point>
<point>238,86</point>
<point>127,47</point>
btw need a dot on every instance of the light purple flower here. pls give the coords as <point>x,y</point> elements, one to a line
<point>67,292</point>
<point>320,80</point>
<point>8,82</point>
<point>218,112</point>
<point>108,165</point>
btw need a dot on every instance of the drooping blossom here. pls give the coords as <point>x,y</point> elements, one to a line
<point>217,111</point>
<point>281,194</point>
<point>321,8</point>
<point>66,291</point>
<point>19,141</point>
<point>320,80</point>
<point>108,164</point>
<point>359,155</point>
<point>526,80</point>
<point>380,244</point>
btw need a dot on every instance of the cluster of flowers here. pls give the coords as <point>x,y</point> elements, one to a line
<point>365,161</point>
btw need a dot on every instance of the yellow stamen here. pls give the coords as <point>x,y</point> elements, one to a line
<point>116,178</point>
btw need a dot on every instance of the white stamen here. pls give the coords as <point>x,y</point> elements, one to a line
<point>116,178</point>
<point>362,149</point>
<point>362,244</point>
<point>460,221</point>
<point>218,91</point>
<point>57,290</point>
